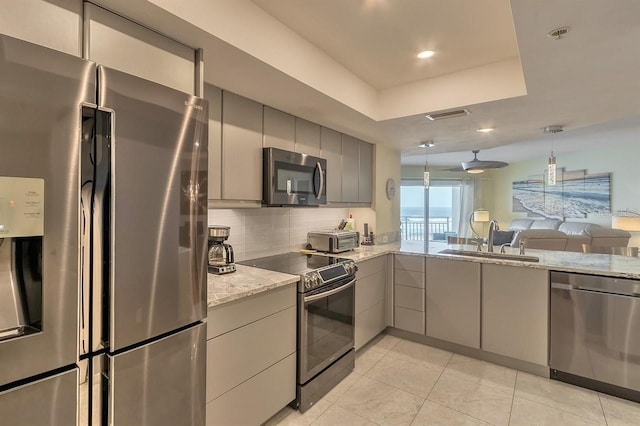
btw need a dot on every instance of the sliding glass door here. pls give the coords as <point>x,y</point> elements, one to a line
<point>431,214</point>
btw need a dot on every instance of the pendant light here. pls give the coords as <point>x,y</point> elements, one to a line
<point>425,177</point>
<point>551,167</point>
<point>551,170</point>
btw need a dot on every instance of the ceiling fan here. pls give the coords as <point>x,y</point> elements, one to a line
<point>479,166</point>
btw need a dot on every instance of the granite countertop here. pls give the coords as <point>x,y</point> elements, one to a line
<point>566,261</point>
<point>246,281</point>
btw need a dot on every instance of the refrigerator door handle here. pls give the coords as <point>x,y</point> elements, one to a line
<point>101,238</point>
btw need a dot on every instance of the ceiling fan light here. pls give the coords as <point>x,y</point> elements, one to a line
<point>479,166</point>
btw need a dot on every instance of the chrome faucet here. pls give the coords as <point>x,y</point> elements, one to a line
<point>493,226</point>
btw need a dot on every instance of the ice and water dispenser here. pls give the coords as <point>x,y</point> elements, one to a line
<point>21,233</point>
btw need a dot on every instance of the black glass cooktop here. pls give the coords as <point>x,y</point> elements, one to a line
<point>292,263</point>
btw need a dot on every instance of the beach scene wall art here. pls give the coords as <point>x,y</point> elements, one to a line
<point>575,195</point>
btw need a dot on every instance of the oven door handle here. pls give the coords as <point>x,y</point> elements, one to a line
<point>309,299</point>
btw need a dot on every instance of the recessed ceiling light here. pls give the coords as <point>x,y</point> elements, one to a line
<point>426,54</point>
<point>428,144</point>
<point>485,130</point>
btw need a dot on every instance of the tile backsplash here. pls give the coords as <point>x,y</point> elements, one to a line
<point>268,231</point>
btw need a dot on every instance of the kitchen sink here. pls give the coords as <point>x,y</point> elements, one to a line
<point>486,255</point>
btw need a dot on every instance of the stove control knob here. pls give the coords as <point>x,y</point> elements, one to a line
<point>349,267</point>
<point>307,282</point>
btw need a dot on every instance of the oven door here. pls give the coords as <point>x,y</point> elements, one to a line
<point>326,327</point>
<point>292,178</point>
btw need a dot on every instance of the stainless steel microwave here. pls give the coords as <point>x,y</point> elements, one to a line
<point>293,179</point>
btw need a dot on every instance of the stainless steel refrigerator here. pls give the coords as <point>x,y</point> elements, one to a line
<point>102,244</point>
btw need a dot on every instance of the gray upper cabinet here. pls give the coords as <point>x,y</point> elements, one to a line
<point>279,129</point>
<point>307,137</point>
<point>365,172</point>
<point>62,23</point>
<point>241,148</point>
<point>121,44</point>
<point>214,96</point>
<point>350,166</point>
<point>331,150</point>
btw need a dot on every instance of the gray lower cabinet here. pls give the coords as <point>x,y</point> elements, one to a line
<point>241,148</point>
<point>370,299</point>
<point>331,150</point>
<point>515,312</point>
<point>251,358</point>
<point>409,293</point>
<point>453,301</point>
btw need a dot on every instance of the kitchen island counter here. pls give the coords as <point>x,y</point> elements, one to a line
<point>246,281</point>
<point>566,261</point>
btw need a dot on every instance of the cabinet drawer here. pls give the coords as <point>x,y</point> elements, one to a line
<point>239,355</point>
<point>408,278</point>
<point>369,291</point>
<point>369,324</point>
<point>372,266</point>
<point>409,297</point>
<point>257,399</point>
<point>409,263</point>
<point>408,319</point>
<point>224,318</point>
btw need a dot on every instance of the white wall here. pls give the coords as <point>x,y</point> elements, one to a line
<point>621,161</point>
<point>270,231</point>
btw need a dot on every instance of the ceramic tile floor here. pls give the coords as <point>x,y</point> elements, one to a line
<point>398,382</point>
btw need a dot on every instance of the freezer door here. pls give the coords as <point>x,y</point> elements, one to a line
<point>162,383</point>
<point>158,208</point>
<point>41,93</point>
<point>47,402</point>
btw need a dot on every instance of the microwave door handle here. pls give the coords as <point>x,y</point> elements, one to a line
<point>321,186</point>
<point>309,299</point>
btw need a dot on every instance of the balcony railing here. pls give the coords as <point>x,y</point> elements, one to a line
<point>412,228</point>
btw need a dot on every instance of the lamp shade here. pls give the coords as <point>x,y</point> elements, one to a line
<point>627,223</point>
<point>481,216</point>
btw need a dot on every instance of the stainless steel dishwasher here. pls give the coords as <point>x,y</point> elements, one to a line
<point>595,333</point>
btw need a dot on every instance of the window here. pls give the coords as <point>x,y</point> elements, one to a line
<point>442,201</point>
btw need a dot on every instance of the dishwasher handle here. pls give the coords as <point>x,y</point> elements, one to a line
<point>569,287</point>
<point>561,286</point>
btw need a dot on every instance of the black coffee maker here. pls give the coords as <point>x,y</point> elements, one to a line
<point>220,254</point>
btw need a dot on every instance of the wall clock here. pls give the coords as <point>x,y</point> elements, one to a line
<point>391,188</point>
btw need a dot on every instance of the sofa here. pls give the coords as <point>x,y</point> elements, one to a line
<point>552,234</point>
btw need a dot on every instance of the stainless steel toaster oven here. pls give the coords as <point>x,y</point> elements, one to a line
<point>333,241</point>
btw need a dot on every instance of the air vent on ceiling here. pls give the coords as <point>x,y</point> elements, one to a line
<point>552,129</point>
<point>447,114</point>
<point>558,33</point>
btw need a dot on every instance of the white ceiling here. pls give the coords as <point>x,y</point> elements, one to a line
<point>351,65</point>
<point>586,80</point>
<point>378,40</point>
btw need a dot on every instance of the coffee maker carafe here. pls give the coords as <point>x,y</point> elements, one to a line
<point>220,254</point>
